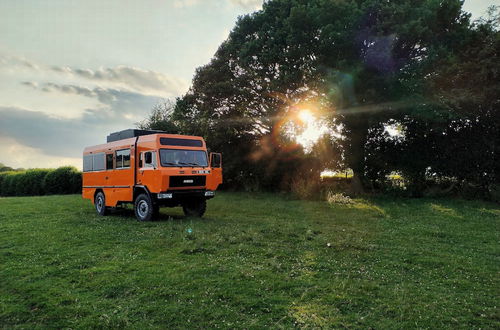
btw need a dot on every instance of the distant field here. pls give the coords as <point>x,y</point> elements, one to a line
<point>256,260</point>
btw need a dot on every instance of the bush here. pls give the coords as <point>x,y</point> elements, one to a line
<point>306,188</point>
<point>2,177</point>
<point>33,181</point>
<point>335,185</point>
<point>336,198</point>
<point>64,180</point>
<point>495,193</point>
<point>11,183</point>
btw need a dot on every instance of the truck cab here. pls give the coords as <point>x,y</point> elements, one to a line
<point>151,169</point>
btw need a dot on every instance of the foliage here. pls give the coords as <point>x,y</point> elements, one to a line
<point>304,188</point>
<point>159,118</point>
<point>495,192</point>
<point>338,198</point>
<point>32,182</point>
<point>10,183</point>
<point>5,168</point>
<point>256,261</point>
<point>63,180</point>
<point>421,65</point>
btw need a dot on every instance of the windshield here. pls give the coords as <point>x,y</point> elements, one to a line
<point>178,157</point>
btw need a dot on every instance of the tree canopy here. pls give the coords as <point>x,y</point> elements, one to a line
<point>360,65</point>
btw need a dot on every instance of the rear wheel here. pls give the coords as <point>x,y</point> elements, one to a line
<point>144,208</point>
<point>100,203</point>
<point>195,208</point>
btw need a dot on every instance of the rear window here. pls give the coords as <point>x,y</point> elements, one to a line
<point>181,142</point>
<point>93,162</point>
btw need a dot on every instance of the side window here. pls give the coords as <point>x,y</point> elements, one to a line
<point>99,163</point>
<point>123,158</point>
<point>94,162</point>
<point>126,158</point>
<point>119,159</point>
<point>149,159</point>
<point>109,161</point>
<point>215,160</point>
<point>87,163</point>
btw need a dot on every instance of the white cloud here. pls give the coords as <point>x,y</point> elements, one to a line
<point>50,135</point>
<point>16,62</point>
<point>131,78</point>
<point>117,101</point>
<point>245,4</point>
<point>134,79</point>
<point>66,137</point>
<point>185,3</point>
<point>248,4</point>
<point>17,155</point>
<point>37,129</point>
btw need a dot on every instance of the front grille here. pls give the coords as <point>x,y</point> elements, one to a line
<point>187,181</point>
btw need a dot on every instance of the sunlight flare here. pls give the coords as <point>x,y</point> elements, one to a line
<point>313,129</point>
<point>306,116</point>
<point>306,129</point>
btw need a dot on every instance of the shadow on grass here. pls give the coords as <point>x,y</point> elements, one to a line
<point>124,212</point>
<point>438,207</point>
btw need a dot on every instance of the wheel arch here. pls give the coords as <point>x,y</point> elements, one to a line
<point>98,190</point>
<point>142,190</point>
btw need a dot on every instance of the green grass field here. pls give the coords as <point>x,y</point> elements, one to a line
<point>254,261</point>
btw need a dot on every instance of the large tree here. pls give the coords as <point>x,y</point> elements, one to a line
<point>359,63</point>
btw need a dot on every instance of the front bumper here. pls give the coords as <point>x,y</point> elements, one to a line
<point>178,196</point>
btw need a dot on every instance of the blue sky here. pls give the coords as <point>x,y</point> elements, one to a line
<point>73,71</point>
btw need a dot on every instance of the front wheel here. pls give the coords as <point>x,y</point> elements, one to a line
<point>195,208</point>
<point>100,203</point>
<point>144,208</point>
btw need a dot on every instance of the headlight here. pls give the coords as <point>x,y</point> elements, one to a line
<point>165,195</point>
<point>209,193</point>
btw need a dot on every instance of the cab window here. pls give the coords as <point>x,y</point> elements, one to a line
<point>148,159</point>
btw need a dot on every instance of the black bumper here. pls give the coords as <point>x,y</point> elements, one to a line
<point>180,196</point>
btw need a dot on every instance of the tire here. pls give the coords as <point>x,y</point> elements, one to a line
<point>100,204</point>
<point>195,208</point>
<point>143,208</point>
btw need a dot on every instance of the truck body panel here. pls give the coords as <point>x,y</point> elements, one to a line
<point>157,163</point>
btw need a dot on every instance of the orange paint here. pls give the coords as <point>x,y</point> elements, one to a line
<point>159,164</point>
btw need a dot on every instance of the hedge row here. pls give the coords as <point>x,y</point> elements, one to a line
<point>63,180</point>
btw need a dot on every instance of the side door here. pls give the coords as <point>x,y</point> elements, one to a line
<point>147,174</point>
<point>215,177</point>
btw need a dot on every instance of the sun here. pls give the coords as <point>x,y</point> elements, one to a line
<point>313,129</point>
<point>306,116</point>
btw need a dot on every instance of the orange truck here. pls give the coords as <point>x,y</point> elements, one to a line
<point>151,169</point>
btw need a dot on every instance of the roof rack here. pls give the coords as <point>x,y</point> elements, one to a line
<point>130,133</point>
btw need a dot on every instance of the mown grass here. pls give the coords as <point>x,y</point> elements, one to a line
<point>255,260</point>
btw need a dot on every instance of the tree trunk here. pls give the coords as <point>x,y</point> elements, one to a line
<point>356,156</point>
<point>357,187</point>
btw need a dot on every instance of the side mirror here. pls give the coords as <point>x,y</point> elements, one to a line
<point>215,160</point>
